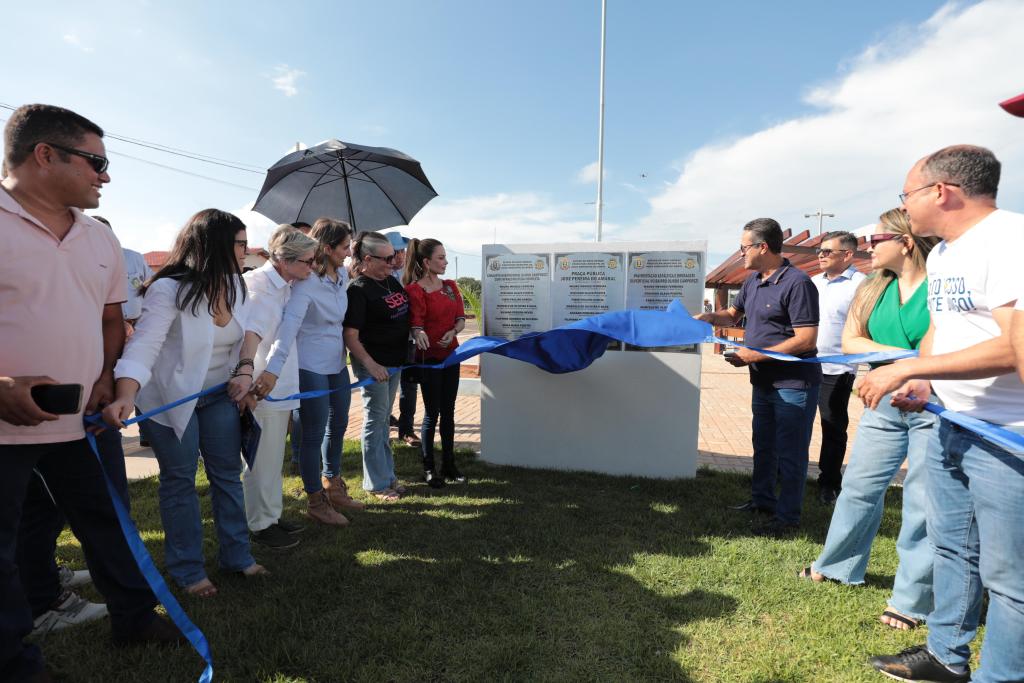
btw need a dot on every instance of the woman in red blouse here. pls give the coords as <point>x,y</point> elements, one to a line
<point>437,316</point>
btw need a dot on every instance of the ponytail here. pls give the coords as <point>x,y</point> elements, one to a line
<point>365,243</point>
<point>419,251</point>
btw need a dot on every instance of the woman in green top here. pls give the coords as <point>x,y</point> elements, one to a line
<point>888,312</point>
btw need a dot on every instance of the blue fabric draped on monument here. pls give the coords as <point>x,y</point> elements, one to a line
<point>575,346</point>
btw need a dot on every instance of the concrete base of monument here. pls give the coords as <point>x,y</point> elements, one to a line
<point>630,413</point>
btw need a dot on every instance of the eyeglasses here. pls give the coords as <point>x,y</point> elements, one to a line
<point>244,244</point>
<point>878,238</point>
<point>98,163</point>
<point>904,195</point>
<point>828,252</point>
<point>744,247</point>
<point>390,260</point>
<point>308,262</point>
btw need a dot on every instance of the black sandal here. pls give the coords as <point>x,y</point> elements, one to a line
<point>909,622</point>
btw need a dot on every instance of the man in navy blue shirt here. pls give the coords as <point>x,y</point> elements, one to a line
<point>781,306</point>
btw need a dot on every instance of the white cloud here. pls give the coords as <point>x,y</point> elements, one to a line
<point>523,218</point>
<point>258,227</point>
<point>588,174</point>
<point>140,234</point>
<point>73,40</point>
<point>374,129</point>
<point>917,90</point>
<point>285,78</point>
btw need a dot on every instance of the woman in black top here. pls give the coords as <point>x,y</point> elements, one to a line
<point>377,337</point>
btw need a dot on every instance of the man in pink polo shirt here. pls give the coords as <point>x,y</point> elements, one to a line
<point>62,281</point>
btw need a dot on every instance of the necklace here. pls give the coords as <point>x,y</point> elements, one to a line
<point>386,286</point>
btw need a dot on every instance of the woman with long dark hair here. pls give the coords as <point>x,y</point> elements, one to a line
<point>313,316</point>
<point>193,336</point>
<point>377,337</point>
<point>438,315</point>
<point>888,312</point>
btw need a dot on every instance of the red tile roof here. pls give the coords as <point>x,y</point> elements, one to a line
<point>155,259</point>
<point>799,249</point>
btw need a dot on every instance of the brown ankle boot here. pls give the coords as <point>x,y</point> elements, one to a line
<point>318,507</point>
<point>337,493</point>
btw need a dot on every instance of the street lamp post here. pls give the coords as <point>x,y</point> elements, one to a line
<point>821,217</point>
<point>600,129</point>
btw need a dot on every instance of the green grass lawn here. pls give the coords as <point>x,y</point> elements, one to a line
<point>523,575</point>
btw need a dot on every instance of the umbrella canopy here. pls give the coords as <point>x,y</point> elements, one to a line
<point>370,187</point>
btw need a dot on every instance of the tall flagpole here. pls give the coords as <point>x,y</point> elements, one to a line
<point>600,129</point>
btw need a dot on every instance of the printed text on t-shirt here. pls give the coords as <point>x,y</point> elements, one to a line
<point>395,300</point>
<point>949,294</point>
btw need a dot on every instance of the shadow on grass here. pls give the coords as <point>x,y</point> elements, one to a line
<point>519,575</point>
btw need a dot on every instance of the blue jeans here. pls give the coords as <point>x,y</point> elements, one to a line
<point>976,523</point>
<point>378,462</point>
<point>324,421</point>
<point>885,438</point>
<point>214,433</point>
<point>782,424</point>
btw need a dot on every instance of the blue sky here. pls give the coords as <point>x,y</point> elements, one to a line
<point>716,112</point>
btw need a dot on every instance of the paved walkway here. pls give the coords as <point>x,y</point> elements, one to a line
<point>723,443</point>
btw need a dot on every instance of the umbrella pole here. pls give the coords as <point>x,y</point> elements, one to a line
<point>348,195</point>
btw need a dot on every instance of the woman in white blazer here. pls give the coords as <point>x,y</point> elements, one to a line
<point>269,287</point>
<point>193,336</point>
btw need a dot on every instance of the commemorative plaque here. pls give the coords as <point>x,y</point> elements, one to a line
<point>586,284</point>
<point>517,294</point>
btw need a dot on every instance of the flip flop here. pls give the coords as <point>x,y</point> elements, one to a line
<point>807,573</point>
<point>387,495</point>
<point>203,588</point>
<point>253,571</point>
<point>909,622</point>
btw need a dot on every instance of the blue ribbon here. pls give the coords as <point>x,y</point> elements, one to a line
<point>145,561</point>
<point>564,349</point>
<point>1011,442</point>
<point>576,345</point>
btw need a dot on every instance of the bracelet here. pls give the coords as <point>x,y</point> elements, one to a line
<point>244,361</point>
<point>241,374</point>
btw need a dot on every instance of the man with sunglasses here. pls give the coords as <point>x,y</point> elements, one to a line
<point>781,307</point>
<point>407,387</point>
<point>837,283</point>
<point>61,289</point>
<point>975,489</point>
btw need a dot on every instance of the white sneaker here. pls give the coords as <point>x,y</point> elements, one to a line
<point>70,578</point>
<point>71,610</point>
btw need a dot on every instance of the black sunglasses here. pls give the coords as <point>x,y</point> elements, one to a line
<point>98,163</point>
<point>390,260</point>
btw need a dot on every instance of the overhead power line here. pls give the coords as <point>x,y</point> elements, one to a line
<point>183,171</point>
<point>195,156</point>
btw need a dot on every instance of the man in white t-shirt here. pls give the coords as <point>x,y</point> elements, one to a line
<point>407,387</point>
<point>975,489</point>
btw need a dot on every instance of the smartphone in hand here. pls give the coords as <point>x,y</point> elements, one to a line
<point>59,399</point>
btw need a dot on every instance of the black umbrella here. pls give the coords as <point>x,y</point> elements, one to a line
<point>370,187</point>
